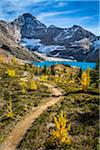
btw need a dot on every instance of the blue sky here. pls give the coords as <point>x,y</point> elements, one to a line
<point>62,13</point>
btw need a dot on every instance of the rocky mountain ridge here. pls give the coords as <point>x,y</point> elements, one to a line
<point>74,42</point>
<point>9,46</point>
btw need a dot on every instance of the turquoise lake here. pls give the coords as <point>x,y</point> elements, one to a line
<point>82,65</point>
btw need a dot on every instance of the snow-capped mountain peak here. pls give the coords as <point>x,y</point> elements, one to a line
<point>73,42</point>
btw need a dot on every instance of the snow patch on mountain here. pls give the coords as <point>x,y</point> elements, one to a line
<point>96,45</point>
<point>46,58</point>
<point>34,44</point>
<point>85,43</point>
<point>48,49</point>
<point>30,42</point>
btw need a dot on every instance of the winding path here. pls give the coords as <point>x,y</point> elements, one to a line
<point>22,126</point>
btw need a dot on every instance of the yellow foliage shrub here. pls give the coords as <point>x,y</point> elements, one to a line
<point>14,60</point>
<point>62,129</point>
<point>11,72</point>
<point>72,81</point>
<point>23,84</point>
<point>44,78</point>
<point>32,85</point>
<point>28,85</point>
<point>9,110</point>
<point>85,79</point>
<point>1,59</point>
<point>57,79</point>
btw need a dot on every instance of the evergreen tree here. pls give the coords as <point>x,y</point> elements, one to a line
<point>52,70</point>
<point>80,73</point>
<point>36,72</point>
<point>95,74</point>
<point>45,70</point>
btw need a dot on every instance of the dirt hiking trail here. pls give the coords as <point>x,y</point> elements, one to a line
<point>22,126</point>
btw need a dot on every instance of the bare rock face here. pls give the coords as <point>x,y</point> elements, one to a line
<point>16,32</point>
<point>68,35</point>
<point>29,26</point>
<point>94,50</point>
<point>11,31</point>
<point>9,43</point>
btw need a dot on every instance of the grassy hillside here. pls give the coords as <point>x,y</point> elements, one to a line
<point>22,101</point>
<point>22,89</point>
<point>81,108</point>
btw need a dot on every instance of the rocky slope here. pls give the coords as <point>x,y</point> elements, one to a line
<point>9,37</point>
<point>73,43</point>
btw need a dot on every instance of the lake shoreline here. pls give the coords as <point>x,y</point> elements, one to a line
<point>82,65</point>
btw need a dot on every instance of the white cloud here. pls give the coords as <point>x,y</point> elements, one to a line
<point>74,0</point>
<point>10,9</point>
<point>61,4</point>
<point>70,21</point>
<point>94,30</point>
<point>42,16</point>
